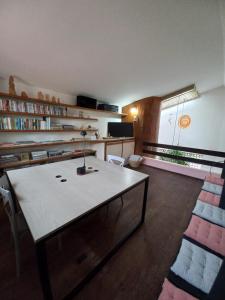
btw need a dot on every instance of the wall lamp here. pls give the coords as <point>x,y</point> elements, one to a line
<point>134,113</point>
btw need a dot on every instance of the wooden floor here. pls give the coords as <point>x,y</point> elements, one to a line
<point>135,272</point>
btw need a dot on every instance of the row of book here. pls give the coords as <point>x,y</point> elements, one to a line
<point>35,108</point>
<point>34,155</point>
<point>7,123</point>
<point>8,158</point>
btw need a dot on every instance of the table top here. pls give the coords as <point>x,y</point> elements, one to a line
<point>49,204</point>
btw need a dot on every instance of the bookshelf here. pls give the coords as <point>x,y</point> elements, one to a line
<point>10,146</point>
<point>26,114</point>
<point>18,164</point>
<point>29,147</point>
<point>45,130</point>
<point>20,115</point>
<point>34,100</point>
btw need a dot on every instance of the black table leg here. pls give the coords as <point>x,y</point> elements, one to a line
<point>145,200</point>
<point>43,270</point>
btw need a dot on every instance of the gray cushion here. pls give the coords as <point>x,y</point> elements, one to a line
<point>197,266</point>
<point>212,188</point>
<point>210,212</point>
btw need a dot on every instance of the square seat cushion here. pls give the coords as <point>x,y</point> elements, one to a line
<point>209,212</point>
<point>212,188</point>
<point>214,179</point>
<point>170,292</point>
<point>209,198</point>
<point>197,266</point>
<point>208,234</point>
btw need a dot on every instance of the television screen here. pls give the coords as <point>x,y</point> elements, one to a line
<point>117,129</point>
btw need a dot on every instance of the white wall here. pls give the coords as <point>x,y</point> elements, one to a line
<point>207,129</point>
<point>32,91</point>
<point>52,44</point>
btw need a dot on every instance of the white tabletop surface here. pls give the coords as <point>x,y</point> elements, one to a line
<point>48,204</point>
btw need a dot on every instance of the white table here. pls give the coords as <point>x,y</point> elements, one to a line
<point>50,205</point>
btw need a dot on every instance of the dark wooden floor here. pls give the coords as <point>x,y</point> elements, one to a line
<point>135,272</point>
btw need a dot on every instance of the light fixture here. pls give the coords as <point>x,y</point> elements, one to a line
<point>134,113</point>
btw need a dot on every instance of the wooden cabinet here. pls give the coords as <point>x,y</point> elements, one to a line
<point>122,148</point>
<point>128,148</point>
<point>114,148</point>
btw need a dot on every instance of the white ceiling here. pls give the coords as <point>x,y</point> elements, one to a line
<point>116,50</point>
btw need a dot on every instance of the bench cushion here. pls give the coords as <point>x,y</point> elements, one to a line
<point>214,179</point>
<point>209,212</point>
<point>170,292</point>
<point>212,188</point>
<point>197,266</point>
<point>209,198</point>
<point>208,234</point>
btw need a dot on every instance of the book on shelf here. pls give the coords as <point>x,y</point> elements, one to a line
<point>11,105</point>
<point>24,156</point>
<point>39,154</point>
<point>21,123</point>
<point>68,127</point>
<point>25,142</point>
<point>8,158</point>
<point>55,125</point>
<point>66,152</point>
<point>52,153</point>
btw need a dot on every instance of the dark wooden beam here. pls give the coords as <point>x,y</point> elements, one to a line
<point>188,159</point>
<point>187,149</point>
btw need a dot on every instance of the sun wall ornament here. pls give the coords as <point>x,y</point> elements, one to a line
<point>184,121</point>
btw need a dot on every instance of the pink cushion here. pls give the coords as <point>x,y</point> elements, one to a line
<point>214,179</point>
<point>208,234</point>
<point>209,198</point>
<point>170,292</point>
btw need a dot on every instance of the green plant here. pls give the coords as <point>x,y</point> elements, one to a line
<point>173,160</point>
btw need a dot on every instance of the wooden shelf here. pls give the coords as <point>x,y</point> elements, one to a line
<point>34,100</point>
<point>13,113</point>
<point>44,130</point>
<point>17,164</point>
<point>58,143</point>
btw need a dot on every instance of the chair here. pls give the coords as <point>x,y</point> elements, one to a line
<point>119,161</point>
<point>116,160</point>
<point>17,223</point>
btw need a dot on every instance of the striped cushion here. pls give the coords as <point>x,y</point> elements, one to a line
<point>209,212</point>
<point>197,266</point>
<point>212,188</point>
<point>209,198</point>
<point>170,292</point>
<point>208,234</point>
<point>214,179</point>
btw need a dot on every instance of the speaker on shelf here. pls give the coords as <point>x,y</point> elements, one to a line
<point>86,102</point>
<point>108,107</point>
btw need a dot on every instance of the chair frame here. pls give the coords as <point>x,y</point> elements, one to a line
<point>111,159</point>
<point>11,213</point>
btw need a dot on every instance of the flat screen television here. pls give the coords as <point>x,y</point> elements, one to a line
<point>120,129</point>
